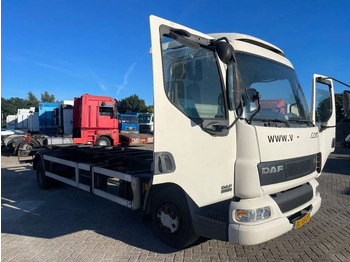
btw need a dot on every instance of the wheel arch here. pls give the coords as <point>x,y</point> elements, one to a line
<point>23,141</point>
<point>172,197</point>
<point>203,226</point>
<point>154,189</point>
<point>18,142</point>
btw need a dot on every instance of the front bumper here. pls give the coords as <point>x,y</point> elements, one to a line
<point>276,225</point>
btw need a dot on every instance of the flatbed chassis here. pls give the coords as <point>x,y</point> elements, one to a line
<point>115,173</point>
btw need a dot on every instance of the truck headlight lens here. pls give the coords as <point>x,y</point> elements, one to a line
<point>253,215</point>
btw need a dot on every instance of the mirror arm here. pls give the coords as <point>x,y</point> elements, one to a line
<point>324,127</point>
<point>238,116</point>
<point>180,36</point>
<point>257,110</point>
<point>319,79</point>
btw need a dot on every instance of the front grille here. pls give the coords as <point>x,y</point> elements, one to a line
<point>300,168</point>
<point>145,128</point>
<point>293,198</point>
<point>273,172</point>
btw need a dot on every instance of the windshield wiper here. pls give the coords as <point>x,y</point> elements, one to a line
<point>301,121</point>
<point>272,121</point>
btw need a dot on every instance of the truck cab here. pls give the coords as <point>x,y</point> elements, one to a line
<point>248,140</point>
<point>95,121</point>
<point>146,123</point>
<point>128,122</point>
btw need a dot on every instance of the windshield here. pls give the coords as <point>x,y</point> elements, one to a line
<point>144,119</point>
<point>281,97</point>
<point>129,119</point>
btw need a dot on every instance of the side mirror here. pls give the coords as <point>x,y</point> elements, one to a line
<point>252,94</point>
<point>346,103</point>
<point>224,51</point>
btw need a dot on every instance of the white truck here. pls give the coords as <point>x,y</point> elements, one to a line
<point>223,167</point>
<point>146,123</point>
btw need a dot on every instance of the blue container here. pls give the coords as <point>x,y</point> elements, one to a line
<point>48,123</point>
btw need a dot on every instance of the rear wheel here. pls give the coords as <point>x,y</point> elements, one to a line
<point>103,141</point>
<point>43,181</point>
<point>172,219</point>
<point>26,146</point>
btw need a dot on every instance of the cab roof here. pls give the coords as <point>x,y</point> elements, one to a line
<point>251,40</point>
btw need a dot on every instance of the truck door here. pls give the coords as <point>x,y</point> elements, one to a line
<point>323,114</point>
<point>192,149</point>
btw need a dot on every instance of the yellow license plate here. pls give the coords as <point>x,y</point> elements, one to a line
<point>302,221</point>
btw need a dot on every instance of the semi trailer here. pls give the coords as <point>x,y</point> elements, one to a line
<point>89,120</point>
<point>224,164</point>
<point>46,125</point>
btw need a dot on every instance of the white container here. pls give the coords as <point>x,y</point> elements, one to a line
<point>22,117</point>
<point>33,122</point>
<point>11,122</point>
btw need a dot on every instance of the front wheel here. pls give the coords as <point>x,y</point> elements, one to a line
<point>172,219</point>
<point>103,141</point>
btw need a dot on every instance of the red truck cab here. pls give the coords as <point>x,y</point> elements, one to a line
<point>95,120</point>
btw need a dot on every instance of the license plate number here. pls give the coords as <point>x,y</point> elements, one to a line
<point>302,221</point>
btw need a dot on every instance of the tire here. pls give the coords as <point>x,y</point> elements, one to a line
<point>43,181</point>
<point>27,147</point>
<point>172,219</point>
<point>103,141</point>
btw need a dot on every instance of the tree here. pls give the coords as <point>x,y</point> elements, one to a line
<point>10,107</point>
<point>32,100</point>
<point>131,104</point>
<point>46,97</point>
<point>150,109</point>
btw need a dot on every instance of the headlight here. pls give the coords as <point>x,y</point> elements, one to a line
<point>253,215</point>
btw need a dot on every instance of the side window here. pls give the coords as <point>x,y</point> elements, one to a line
<point>323,105</point>
<point>106,110</point>
<point>192,80</point>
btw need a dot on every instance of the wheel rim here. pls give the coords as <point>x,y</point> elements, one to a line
<point>102,143</point>
<point>26,149</point>
<point>168,219</point>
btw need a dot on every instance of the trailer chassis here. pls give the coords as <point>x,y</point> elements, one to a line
<point>105,179</point>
